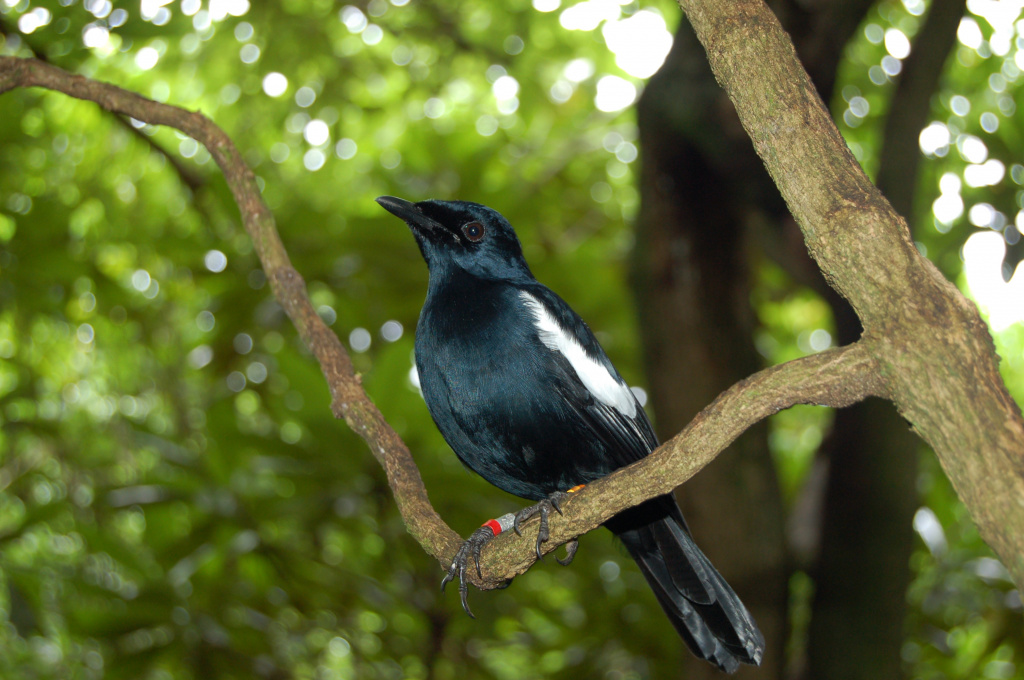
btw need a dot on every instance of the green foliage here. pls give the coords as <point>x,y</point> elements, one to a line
<point>965,618</point>
<point>794,322</point>
<point>175,499</point>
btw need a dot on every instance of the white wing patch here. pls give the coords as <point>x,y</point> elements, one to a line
<point>592,373</point>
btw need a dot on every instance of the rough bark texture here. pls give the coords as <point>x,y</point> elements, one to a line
<point>707,206</point>
<point>937,356</point>
<point>862,571</point>
<point>348,399</point>
<point>860,561</point>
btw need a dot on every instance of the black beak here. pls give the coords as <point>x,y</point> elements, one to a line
<point>407,211</point>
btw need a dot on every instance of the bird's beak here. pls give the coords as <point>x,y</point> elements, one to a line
<point>407,211</point>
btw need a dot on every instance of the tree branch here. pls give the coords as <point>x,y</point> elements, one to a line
<point>839,204</point>
<point>834,378</point>
<point>933,350</point>
<point>348,399</point>
<point>192,179</point>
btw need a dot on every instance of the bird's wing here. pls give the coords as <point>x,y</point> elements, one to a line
<point>586,379</point>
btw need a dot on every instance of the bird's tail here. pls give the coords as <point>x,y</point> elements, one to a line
<point>701,605</point>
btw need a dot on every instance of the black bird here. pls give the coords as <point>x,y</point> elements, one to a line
<point>524,394</point>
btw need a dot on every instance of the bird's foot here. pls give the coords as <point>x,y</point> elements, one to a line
<point>544,508</point>
<point>492,527</point>
<point>471,549</point>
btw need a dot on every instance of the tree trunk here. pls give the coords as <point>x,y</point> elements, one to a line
<point>862,573</point>
<point>861,578</point>
<point>692,286</point>
<point>701,184</point>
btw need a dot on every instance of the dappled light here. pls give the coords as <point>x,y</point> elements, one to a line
<point>983,268</point>
<point>176,498</point>
<point>965,147</point>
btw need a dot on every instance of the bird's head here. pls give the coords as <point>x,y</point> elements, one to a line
<point>467,235</point>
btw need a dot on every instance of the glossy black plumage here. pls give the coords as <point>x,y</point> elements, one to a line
<point>524,394</point>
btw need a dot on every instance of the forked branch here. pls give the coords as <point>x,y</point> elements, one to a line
<point>837,377</point>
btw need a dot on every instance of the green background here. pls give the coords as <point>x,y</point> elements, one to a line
<point>176,500</point>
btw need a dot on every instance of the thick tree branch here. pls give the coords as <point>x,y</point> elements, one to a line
<point>837,378</point>
<point>932,348</point>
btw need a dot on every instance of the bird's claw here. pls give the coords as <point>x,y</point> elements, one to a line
<point>570,552</point>
<point>478,539</point>
<point>471,548</point>
<point>543,508</point>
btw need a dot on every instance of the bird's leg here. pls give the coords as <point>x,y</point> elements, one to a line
<point>492,527</point>
<point>543,508</point>
<point>471,548</point>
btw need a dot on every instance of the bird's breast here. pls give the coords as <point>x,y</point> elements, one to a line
<point>471,340</point>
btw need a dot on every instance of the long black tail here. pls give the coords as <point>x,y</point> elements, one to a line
<point>701,605</point>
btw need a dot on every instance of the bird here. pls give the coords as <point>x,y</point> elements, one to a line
<point>522,391</point>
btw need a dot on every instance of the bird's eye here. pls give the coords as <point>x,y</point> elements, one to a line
<point>474,231</point>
